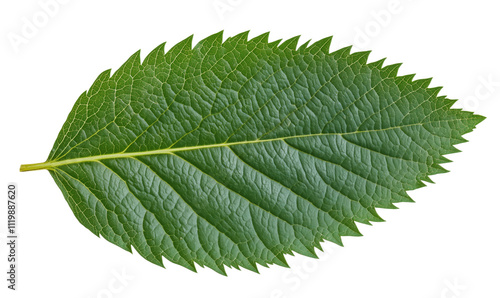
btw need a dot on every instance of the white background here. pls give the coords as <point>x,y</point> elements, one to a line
<point>447,244</point>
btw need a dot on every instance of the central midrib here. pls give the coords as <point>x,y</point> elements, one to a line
<point>53,164</point>
<point>56,163</point>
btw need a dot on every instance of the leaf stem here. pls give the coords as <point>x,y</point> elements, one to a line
<point>35,167</point>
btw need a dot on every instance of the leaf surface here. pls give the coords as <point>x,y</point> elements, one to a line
<point>236,152</point>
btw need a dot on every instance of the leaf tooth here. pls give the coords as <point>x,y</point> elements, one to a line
<point>312,252</point>
<point>442,159</point>
<point>283,262</point>
<point>126,245</point>
<point>337,240</point>
<point>317,243</point>
<point>434,91</point>
<point>122,244</point>
<point>263,38</point>
<point>422,83</point>
<point>376,216</point>
<point>451,150</point>
<point>208,41</point>
<point>256,270</point>
<point>235,266</point>
<point>391,206</point>
<point>470,117</point>
<point>428,179</point>
<point>243,36</point>
<point>290,44</point>
<point>95,230</point>
<point>364,221</point>
<point>132,62</point>
<point>446,103</point>
<point>437,169</point>
<point>391,70</point>
<point>415,184</point>
<point>361,57</point>
<point>181,47</point>
<point>279,259</point>
<point>459,140</point>
<point>252,266</point>
<point>151,58</point>
<point>275,44</point>
<point>247,264</point>
<point>321,46</point>
<point>332,237</point>
<point>101,78</point>
<point>152,257</point>
<point>189,264</point>
<point>476,120</point>
<point>304,46</point>
<point>420,184</point>
<point>353,229</point>
<point>405,78</point>
<point>264,264</point>
<point>305,250</point>
<point>219,268</point>
<point>377,64</point>
<point>367,222</point>
<point>402,197</point>
<point>342,53</point>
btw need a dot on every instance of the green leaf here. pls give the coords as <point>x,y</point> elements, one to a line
<point>235,153</point>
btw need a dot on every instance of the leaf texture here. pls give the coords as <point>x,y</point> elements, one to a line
<point>236,152</point>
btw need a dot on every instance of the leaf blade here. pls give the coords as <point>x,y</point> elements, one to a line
<point>236,152</point>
